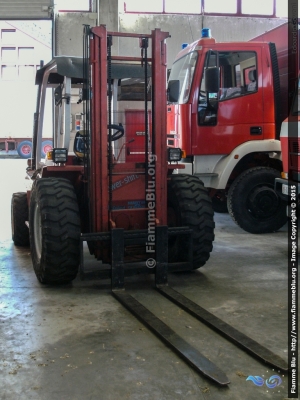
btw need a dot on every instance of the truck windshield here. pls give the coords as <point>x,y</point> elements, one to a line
<point>183,70</point>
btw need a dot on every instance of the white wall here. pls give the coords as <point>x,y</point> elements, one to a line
<point>187,28</point>
<point>182,28</point>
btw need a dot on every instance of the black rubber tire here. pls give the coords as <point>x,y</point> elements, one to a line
<point>54,223</point>
<point>190,205</point>
<point>253,203</point>
<point>19,214</point>
<point>219,202</point>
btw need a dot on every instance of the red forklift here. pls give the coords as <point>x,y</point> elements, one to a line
<point>111,187</point>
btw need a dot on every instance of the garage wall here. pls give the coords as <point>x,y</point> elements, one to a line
<point>182,28</point>
<point>69,26</point>
<point>26,9</point>
<point>187,28</point>
<point>68,29</point>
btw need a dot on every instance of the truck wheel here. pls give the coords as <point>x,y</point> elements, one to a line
<point>189,205</point>
<point>46,146</point>
<point>24,149</point>
<point>19,214</point>
<point>54,223</point>
<point>253,203</point>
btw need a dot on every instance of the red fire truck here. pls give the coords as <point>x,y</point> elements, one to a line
<point>226,105</point>
<point>288,186</point>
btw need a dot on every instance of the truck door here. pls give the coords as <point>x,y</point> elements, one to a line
<point>235,114</point>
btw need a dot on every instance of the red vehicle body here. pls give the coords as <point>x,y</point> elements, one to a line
<point>107,185</point>
<point>290,145</point>
<point>227,118</point>
<point>289,135</point>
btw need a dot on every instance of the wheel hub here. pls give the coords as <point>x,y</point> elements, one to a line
<point>263,202</point>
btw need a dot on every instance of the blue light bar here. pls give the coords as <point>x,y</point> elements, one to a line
<point>184,45</point>
<point>205,33</point>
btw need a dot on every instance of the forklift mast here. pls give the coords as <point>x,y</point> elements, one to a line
<point>104,172</point>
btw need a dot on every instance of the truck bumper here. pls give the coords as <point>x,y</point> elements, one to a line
<point>282,188</point>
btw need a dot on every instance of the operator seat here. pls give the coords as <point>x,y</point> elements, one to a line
<point>251,87</point>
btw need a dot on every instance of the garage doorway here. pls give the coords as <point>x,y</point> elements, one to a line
<point>23,46</point>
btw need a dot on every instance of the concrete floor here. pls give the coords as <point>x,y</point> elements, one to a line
<point>77,341</point>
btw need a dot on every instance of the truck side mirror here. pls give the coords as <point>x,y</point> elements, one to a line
<point>212,80</point>
<point>173,91</point>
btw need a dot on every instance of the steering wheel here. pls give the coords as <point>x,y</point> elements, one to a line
<point>119,131</point>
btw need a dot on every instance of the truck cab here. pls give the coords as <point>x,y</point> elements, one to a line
<point>222,98</point>
<point>226,119</point>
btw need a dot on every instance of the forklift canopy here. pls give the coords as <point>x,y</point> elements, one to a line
<point>72,67</point>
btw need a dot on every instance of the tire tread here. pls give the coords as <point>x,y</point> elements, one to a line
<point>19,214</point>
<point>236,200</point>
<point>60,231</point>
<point>196,212</point>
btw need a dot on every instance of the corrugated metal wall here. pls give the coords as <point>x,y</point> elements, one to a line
<point>25,9</point>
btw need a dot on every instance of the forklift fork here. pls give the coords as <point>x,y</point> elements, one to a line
<point>118,239</point>
<point>187,352</point>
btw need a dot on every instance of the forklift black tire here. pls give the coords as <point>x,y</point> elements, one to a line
<point>19,215</point>
<point>253,203</point>
<point>190,205</point>
<point>54,223</point>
